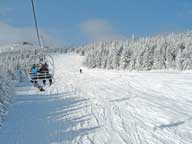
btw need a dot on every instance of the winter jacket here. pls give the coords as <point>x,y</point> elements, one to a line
<point>34,70</point>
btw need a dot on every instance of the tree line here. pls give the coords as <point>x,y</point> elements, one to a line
<point>165,51</point>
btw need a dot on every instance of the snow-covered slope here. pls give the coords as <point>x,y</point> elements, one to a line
<point>102,107</point>
<point>12,57</point>
<point>6,93</point>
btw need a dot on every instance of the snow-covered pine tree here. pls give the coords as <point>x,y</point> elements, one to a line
<point>165,51</point>
<point>117,56</point>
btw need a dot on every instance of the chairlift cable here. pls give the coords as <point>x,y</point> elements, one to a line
<point>35,19</point>
<point>40,76</point>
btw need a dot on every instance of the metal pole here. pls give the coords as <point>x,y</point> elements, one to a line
<point>35,19</point>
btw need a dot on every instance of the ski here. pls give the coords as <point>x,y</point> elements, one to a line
<point>41,89</point>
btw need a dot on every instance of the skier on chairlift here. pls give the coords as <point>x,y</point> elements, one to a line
<point>44,74</point>
<point>34,72</point>
<point>34,69</point>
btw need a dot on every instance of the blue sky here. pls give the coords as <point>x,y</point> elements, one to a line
<point>82,21</point>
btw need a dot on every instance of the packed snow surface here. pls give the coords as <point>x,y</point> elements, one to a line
<point>102,107</point>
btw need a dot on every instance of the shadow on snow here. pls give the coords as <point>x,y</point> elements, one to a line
<point>37,118</point>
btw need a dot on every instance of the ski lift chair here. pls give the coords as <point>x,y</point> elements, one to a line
<point>45,69</point>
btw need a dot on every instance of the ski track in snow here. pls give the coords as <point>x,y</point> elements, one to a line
<point>102,107</point>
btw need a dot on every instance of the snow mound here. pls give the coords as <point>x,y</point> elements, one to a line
<point>6,92</point>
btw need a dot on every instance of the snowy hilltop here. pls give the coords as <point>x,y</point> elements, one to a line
<point>166,51</point>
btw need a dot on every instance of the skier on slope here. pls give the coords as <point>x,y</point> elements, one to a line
<point>80,70</point>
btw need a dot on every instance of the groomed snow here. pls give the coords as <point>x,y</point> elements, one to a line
<point>102,107</point>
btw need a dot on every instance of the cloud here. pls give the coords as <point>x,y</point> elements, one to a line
<point>11,34</point>
<point>97,29</point>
